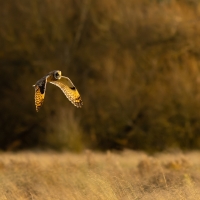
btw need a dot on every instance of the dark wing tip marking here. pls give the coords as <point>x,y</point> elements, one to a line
<point>78,102</point>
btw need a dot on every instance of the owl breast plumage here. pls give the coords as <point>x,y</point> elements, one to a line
<point>64,83</point>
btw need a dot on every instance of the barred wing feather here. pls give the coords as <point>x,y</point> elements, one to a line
<point>69,90</point>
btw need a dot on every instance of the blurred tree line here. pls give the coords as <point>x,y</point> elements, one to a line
<point>135,64</point>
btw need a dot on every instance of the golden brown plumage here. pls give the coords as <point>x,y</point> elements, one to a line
<point>39,98</point>
<point>62,82</point>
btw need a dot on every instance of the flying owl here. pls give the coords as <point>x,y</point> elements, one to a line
<point>62,82</point>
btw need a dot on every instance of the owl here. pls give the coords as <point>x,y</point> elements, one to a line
<point>62,82</point>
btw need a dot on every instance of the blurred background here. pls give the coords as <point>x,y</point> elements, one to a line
<point>136,64</point>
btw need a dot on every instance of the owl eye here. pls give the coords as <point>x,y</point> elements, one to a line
<point>57,75</point>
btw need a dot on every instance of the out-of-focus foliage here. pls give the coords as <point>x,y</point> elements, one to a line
<point>135,63</point>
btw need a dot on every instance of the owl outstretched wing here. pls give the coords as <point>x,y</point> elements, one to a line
<point>69,90</point>
<point>40,88</point>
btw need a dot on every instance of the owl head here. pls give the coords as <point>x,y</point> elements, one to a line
<point>57,74</point>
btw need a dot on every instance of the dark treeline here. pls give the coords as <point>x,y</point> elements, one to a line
<point>135,64</point>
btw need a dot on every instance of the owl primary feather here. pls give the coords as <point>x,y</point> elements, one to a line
<point>64,83</point>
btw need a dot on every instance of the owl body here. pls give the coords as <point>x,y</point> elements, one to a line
<point>64,83</point>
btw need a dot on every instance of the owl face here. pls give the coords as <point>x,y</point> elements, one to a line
<point>57,74</point>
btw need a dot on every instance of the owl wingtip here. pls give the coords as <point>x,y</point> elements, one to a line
<point>79,105</point>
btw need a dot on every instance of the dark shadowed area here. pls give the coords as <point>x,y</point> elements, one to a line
<point>135,64</point>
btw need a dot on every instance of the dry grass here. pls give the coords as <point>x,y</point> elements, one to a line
<point>89,175</point>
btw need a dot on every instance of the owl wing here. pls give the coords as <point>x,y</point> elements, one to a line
<point>40,88</point>
<point>69,90</point>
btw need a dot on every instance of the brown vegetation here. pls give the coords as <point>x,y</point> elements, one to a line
<point>135,63</point>
<point>90,175</point>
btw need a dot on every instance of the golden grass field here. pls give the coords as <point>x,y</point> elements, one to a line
<point>92,175</point>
